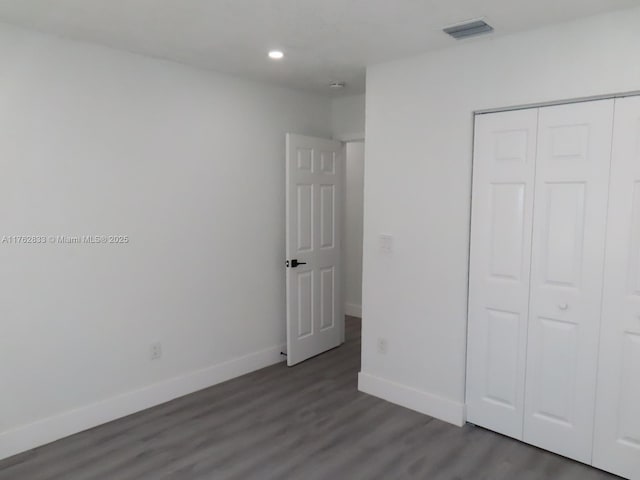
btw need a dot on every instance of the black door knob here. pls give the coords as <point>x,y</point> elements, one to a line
<point>294,263</point>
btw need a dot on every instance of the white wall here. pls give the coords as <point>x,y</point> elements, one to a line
<point>347,117</point>
<point>189,165</point>
<point>354,187</point>
<point>418,179</point>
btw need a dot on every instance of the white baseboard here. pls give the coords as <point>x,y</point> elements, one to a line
<point>420,401</point>
<point>353,310</point>
<point>68,423</point>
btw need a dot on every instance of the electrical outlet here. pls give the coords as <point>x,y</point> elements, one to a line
<point>382,346</point>
<point>156,351</point>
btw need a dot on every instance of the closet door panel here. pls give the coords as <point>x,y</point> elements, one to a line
<point>617,429</point>
<point>571,192</point>
<point>504,163</point>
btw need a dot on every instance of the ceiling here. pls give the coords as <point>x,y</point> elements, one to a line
<point>323,40</point>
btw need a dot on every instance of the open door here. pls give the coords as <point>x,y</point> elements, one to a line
<point>314,184</point>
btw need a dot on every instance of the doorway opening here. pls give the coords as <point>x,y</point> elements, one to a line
<point>324,223</point>
<point>353,228</point>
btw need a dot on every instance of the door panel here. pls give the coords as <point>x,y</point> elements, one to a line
<point>634,248</point>
<point>564,233</point>
<point>503,176</point>
<point>629,412</point>
<point>315,321</point>
<point>571,190</point>
<point>305,303</point>
<point>507,230</point>
<point>502,349</point>
<point>617,429</point>
<point>327,294</point>
<point>557,356</point>
<point>304,208</point>
<point>327,216</point>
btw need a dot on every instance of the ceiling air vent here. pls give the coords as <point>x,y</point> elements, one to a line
<point>468,29</point>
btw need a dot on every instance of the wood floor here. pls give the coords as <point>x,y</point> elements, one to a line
<point>306,422</point>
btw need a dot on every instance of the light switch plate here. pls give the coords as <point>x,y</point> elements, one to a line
<point>386,243</point>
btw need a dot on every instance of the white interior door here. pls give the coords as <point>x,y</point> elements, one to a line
<point>503,179</point>
<point>314,184</point>
<point>617,429</point>
<point>572,178</point>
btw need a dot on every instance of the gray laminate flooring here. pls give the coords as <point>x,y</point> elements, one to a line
<point>306,422</point>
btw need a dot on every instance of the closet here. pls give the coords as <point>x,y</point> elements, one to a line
<point>554,283</point>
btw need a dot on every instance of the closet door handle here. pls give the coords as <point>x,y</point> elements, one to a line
<point>563,306</point>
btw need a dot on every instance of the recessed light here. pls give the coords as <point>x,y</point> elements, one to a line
<point>337,85</point>
<point>276,54</point>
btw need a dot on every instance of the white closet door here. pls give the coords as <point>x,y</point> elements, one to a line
<point>503,176</point>
<point>572,177</point>
<point>617,432</point>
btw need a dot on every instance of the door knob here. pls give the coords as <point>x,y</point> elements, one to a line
<point>294,263</point>
<point>563,306</point>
